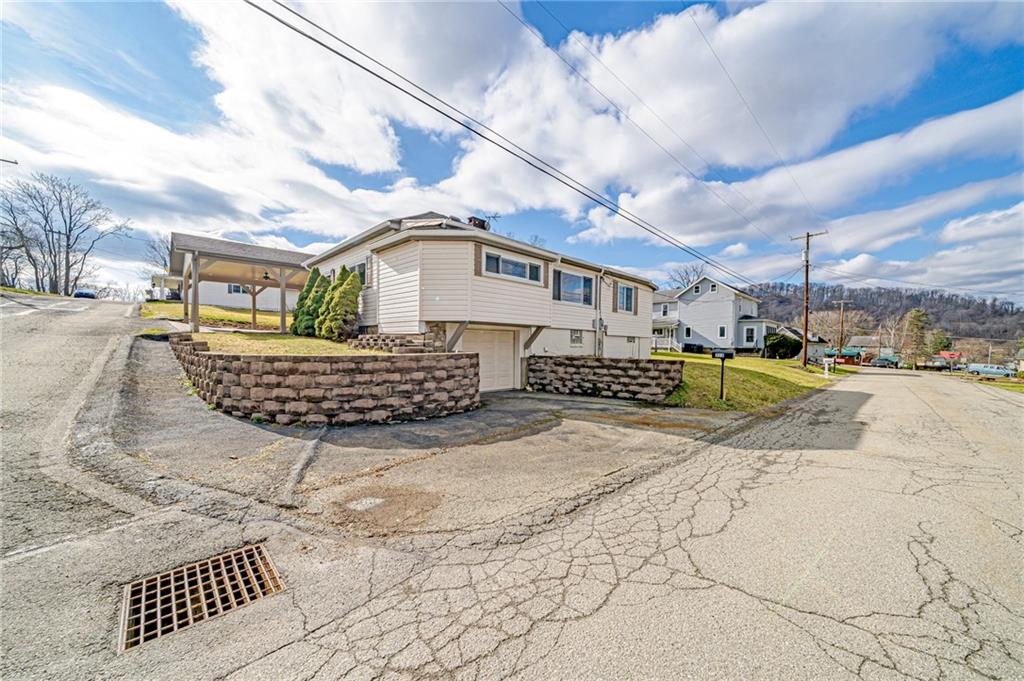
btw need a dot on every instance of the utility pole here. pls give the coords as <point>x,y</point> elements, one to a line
<point>842,318</point>
<point>807,282</point>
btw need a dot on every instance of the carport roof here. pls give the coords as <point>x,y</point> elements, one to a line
<point>223,249</point>
<point>235,262</point>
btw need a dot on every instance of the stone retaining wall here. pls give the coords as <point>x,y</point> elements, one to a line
<point>647,380</point>
<point>331,389</point>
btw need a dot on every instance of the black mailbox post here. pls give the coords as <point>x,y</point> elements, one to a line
<point>722,355</point>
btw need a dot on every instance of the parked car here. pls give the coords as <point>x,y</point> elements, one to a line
<point>84,293</point>
<point>989,370</point>
<point>883,362</point>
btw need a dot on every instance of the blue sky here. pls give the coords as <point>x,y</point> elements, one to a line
<point>901,124</point>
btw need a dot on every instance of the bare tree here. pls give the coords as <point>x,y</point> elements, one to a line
<point>683,276</point>
<point>536,240</point>
<point>825,323</point>
<point>158,252</point>
<point>57,225</point>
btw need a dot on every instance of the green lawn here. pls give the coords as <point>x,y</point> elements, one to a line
<point>275,344</point>
<point>751,383</point>
<point>214,315</point>
<point>1014,385</point>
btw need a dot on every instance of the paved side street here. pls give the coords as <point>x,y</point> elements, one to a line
<point>871,531</point>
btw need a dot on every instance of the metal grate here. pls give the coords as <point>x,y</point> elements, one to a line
<point>164,603</point>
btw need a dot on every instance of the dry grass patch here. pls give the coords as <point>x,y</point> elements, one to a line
<point>275,344</point>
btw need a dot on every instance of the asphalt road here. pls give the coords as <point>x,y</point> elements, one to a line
<point>873,531</point>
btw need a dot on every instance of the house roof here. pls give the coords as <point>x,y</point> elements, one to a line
<point>674,293</point>
<point>862,341</point>
<point>435,226</point>
<point>799,335</point>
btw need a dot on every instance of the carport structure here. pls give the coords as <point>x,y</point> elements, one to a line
<point>199,258</point>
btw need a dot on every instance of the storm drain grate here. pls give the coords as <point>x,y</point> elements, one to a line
<point>164,603</point>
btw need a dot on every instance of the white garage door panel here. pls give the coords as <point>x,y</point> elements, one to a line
<point>497,357</point>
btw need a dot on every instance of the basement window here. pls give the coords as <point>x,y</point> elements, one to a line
<point>575,338</point>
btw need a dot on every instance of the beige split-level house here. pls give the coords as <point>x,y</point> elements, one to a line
<point>471,290</point>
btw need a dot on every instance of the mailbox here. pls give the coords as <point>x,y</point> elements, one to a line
<point>723,354</point>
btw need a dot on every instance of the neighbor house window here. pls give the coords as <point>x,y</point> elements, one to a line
<point>664,310</point>
<point>696,289</point>
<point>721,332</point>
<point>510,267</point>
<point>749,334</point>
<point>235,288</point>
<point>575,338</point>
<point>714,287</point>
<point>626,298</point>
<point>769,330</point>
<point>631,339</point>
<point>687,332</point>
<point>572,288</point>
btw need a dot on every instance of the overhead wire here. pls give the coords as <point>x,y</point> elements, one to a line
<point>634,123</point>
<point>525,156</point>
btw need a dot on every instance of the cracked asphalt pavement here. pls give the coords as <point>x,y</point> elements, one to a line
<point>871,531</point>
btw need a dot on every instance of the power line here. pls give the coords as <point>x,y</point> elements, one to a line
<point>746,104</point>
<point>536,162</point>
<point>654,113</point>
<point>629,118</point>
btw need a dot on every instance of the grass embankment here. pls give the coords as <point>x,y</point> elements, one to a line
<point>214,315</point>
<point>275,344</point>
<point>27,292</point>
<point>1014,385</point>
<point>751,383</point>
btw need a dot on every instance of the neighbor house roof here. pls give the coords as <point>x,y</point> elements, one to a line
<point>862,341</point>
<point>674,293</point>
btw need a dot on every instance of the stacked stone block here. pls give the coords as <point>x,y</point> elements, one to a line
<point>646,380</point>
<point>331,389</point>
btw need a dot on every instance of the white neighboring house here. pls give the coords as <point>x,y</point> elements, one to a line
<point>475,291</point>
<point>710,314</point>
<point>225,295</point>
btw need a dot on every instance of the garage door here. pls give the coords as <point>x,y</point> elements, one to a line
<point>497,357</point>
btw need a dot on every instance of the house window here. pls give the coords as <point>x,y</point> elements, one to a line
<point>572,288</point>
<point>721,332</point>
<point>575,338</point>
<point>769,330</point>
<point>625,298</point>
<point>361,271</point>
<point>749,334</point>
<point>509,267</point>
<point>664,310</point>
<point>696,289</point>
<point>686,332</point>
<point>235,288</point>
<point>714,287</point>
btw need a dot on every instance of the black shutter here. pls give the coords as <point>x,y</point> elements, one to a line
<point>556,285</point>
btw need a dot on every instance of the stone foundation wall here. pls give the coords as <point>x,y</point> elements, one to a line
<point>331,389</point>
<point>646,380</point>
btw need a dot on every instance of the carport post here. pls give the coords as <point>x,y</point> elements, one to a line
<point>252,293</point>
<point>195,293</point>
<point>184,298</point>
<point>284,299</point>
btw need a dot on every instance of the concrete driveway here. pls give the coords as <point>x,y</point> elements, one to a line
<point>872,531</point>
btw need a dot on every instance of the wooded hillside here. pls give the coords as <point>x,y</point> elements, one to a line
<point>957,315</point>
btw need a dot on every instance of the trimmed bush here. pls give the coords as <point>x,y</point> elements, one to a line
<point>781,346</point>
<point>300,304</point>
<point>306,324</point>
<point>342,319</point>
<point>332,290</point>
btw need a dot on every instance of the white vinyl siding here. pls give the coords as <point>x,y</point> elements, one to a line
<point>445,273</point>
<point>505,300</point>
<point>398,274</point>
<point>354,261</point>
<point>216,293</point>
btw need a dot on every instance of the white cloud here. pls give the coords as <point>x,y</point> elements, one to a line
<point>736,250</point>
<point>996,223</point>
<point>881,229</point>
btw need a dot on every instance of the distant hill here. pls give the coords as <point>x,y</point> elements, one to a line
<point>957,315</point>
